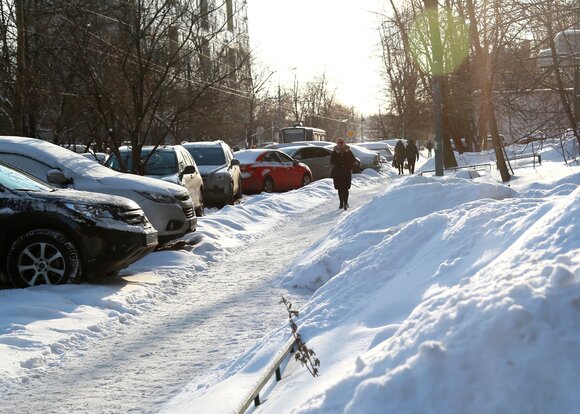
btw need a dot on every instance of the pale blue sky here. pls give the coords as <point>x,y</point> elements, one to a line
<point>339,36</point>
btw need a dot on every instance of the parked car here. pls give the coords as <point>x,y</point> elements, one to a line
<point>366,158</point>
<point>271,170</point>
<point>171,163</point>
<point>168,206</point>
<point>381,147</point>
<point>52,236</point>
<point>315,157</point>
<point>222,178</point>
<point>99,157</point>
<point>276,145</point>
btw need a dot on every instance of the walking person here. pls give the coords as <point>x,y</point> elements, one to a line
<point>343,160</point>
<point>412,153</point>
<point>399,157</point>
<point>429,147</point>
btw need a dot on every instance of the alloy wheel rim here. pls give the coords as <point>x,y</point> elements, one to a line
<point>41,262</point>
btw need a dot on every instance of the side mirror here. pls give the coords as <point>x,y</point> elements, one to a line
<point>189,169</point>
<point>234,161</point>
<point>56,176</point>
<point>295,161</point>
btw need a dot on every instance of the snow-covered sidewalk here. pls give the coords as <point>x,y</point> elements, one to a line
<point>439,295</point>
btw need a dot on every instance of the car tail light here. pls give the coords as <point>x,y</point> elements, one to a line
<point>246,171</point>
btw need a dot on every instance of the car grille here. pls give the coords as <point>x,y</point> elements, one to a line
<point>134,217</point>
<point>188,213</point>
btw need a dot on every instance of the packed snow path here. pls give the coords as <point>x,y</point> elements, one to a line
<point>223,311</point>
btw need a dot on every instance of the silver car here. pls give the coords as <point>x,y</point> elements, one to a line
<point>220,170</point>
<point>317,158</point>
<point>167,206</point>
<point>171,163</point>
<point>366,158</point>
<point>382,147</point>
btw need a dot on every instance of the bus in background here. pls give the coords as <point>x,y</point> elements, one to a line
<point>301,133</point>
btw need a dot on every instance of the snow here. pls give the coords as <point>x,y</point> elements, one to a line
<point>440,294</point>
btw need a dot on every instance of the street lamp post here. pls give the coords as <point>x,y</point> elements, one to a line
<point>436,70</point>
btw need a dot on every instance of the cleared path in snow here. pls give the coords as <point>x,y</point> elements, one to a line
<point>222,312</point>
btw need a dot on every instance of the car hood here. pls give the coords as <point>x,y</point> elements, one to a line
<point>141,183</point>
<point>83,197</point>
<point>210,169</point>
<point>83,171</point>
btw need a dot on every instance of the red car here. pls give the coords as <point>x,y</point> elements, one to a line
<point>271,170</point>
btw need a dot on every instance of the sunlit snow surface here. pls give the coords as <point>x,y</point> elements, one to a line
<point>438,295</point>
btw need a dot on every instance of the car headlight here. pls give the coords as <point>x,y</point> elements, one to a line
<point>157,197</point>
<point>91,212</point>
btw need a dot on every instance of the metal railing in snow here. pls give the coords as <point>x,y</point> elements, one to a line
<point>475,167</point>
<point>273,368</point>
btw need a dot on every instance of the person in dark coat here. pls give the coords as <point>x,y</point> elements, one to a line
<point>343,160</point>
<point>399,156</point>
<point>429,147</point>
<point>412,153</point>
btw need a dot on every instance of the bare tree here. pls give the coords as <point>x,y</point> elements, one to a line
<point>140,71</point>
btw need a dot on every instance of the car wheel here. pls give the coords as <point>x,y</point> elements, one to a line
<point>268,185</point>
<point>306,180</point>
<point>199,209</point>
<point>43,257</point>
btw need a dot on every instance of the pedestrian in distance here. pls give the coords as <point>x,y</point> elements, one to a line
<point>399,156</point>
<point>429,147</point>
<point>412,153</point>
<point>343,160</point>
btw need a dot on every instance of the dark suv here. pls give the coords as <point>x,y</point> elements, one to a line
<point>221,174</point>
<point>52,236</point>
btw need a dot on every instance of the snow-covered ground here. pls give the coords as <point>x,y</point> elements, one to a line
<point>439,295</point>
<point>436,295</point>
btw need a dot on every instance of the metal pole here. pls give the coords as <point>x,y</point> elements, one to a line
<point>436,70</point>
<point>576,74</point>
<point>437,103</point>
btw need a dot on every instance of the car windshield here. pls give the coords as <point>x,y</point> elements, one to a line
<point>15,180</point>
<point>207,155</point>
<point>160,163</point>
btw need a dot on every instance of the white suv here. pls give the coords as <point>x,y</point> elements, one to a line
<point>167,206</point>
<point>171,163</point>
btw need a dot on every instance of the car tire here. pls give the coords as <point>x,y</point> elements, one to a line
<point>268,185</point>
<point>43,256</point>
<point>306,180</point>
<point>199,209</point>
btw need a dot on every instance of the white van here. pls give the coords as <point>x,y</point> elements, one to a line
<point>167,206</point>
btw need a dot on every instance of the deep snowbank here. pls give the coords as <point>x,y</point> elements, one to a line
<point>439,295</point>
